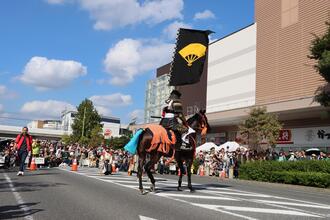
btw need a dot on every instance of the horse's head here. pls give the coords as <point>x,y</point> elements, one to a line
<point>199,123</point>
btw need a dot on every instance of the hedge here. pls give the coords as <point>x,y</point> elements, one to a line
<point>307,173</point>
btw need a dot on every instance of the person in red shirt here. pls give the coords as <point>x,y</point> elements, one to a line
<point>24,145</point>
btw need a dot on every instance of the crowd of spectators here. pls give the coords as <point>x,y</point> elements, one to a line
<point>55,153</point>
<point>217,163</point>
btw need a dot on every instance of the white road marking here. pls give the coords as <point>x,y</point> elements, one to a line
<point>146,218</point>
<point>198,196</point>
<point>263,210</point>
<point>294,204</point>
<point>229,195</point>
<point>238,194</point>
<point>19,199</point>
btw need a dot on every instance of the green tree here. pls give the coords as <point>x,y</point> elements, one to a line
<point>119,142</point>
<point>67,139</point>
<point>96,137</point>
<point>320,51</point>
<point>86,119</point>
<point>261,129</point>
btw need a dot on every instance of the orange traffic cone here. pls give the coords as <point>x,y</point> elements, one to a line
<point>74,166</point>
<point>33,165</point>
<point>201,172</point>
<point>113,168</point>
<point>129,173</point>
<point>222,174</point>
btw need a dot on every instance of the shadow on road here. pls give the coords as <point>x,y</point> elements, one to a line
<point>27,186</point>
<point>16,211</point>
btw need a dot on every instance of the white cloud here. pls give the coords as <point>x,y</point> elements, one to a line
<point>1,108</point>
<point>7,94</point>
<point>102,110</point>
<point>137,115</point>
<point>109,14</point>
<point>43,73</point>
<point>171,30</point>
<point>130,57</point>
<point>112,100</point>
<point>204,15</point>
<point>44,109</point>
<point>3,90</point>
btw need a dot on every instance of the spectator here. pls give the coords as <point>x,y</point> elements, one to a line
<point>23,143</point>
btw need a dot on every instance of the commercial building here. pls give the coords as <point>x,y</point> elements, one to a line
<point>111,125</point>
<point>157,92</point>
<point>47,124</point>
<point>266,64</point>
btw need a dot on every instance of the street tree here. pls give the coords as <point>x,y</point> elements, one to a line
<point>261,129</point>
<point>96,137</point>
<point>118,142</point>
<point>86,119</point>
<point>320,51</point>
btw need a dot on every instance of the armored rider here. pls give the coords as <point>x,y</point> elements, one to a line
<point>171,113</point>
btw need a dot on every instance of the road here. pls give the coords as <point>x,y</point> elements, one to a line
<point>61,194</point>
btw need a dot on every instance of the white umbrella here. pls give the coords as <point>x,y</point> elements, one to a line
<point>207,147</point>
<point>230,146</point>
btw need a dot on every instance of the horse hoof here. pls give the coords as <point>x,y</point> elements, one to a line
<point>142,191</point>
<point>179,189</point>
<point>192,190</point>
<point>152,188</point>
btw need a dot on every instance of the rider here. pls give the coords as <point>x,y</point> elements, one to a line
<point>171,113</point>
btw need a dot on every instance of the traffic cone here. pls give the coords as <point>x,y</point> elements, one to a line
<point>179,172</point>
<point>129,173</point>
<point>201,173</point>
<point>113,168</point>
<point>222,174</point>
<point>33,165</point>
<point>74,166</point>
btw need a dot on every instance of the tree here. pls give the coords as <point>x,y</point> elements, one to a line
<point>67,139</point>
<point>119,142</point>
<point>260,129</point>
<point>96,137</point>
<point>86,119</point>
<point>320,51</point>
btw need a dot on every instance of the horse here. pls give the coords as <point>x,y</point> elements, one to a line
<point>199,123</point>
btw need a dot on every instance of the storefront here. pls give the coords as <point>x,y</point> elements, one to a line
<point>304,138</point>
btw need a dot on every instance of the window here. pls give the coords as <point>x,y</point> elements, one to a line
<point>289,12</point>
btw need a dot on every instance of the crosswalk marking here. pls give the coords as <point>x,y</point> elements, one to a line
<point>198,196</point>
<point>260,210</point>
<point>294,204</point>
<point>225,200</point>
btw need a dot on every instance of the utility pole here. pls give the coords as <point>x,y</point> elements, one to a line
<point>83,125</point>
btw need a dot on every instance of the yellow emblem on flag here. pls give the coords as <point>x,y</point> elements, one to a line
<point>192,52</point>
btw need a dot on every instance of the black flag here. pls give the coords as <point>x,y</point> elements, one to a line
<point>189,57</point>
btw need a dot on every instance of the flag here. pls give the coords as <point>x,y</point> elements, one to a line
<point>189,57</point>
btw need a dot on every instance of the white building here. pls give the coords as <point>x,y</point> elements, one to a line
<point>111,125</point>
<point>47,124</point>
<point>157,92</point>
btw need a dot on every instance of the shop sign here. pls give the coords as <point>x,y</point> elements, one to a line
<point>285,137</point>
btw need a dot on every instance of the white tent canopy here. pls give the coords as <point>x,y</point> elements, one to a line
<point>207,147</point>
<point>231,144</point>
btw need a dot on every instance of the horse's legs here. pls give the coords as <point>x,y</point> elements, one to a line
<point>153,160</point>
<point>180,164</point>
<point>189,163</point>
<point>140,171</point>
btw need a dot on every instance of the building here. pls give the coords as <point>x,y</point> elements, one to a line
<point>266,64</point>
<point>111,125</point>
<point>47,124</point>
<point>157,92</point>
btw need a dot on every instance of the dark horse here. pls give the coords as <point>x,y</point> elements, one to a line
<point>199,123</point>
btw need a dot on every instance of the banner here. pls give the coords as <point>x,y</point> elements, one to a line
<point>189,57</point>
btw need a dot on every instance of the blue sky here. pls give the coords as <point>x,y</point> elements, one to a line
<point>55,53</point>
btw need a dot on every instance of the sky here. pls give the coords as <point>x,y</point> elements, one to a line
<point>56,53</point>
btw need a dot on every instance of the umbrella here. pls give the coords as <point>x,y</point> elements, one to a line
<point>311,151</point>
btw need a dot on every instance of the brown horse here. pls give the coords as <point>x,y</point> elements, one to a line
<point>199,123</point>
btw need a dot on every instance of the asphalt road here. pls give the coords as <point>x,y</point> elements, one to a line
<point>61,194</point>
